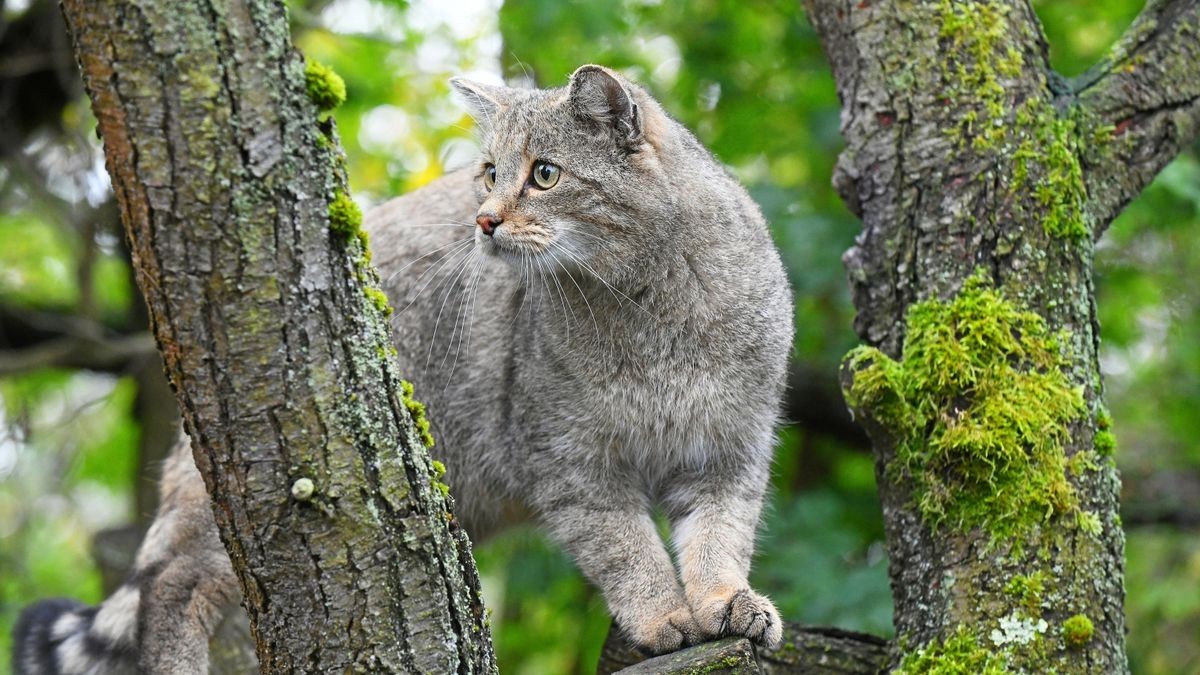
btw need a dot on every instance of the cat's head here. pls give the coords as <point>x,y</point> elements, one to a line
<point>571,176</point>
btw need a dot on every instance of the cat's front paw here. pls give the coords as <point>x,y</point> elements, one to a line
<point>739,611</point>
<point>666,632</point>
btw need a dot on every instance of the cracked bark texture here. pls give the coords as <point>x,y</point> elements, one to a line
<point>806,650</point>
<point>960,144</point>
<point>278,359</point>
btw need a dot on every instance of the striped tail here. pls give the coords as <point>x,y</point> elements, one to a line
<point>66,637</point>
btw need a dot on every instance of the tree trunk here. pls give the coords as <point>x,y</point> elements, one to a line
<point>983,180</point>
<point>272,328</point>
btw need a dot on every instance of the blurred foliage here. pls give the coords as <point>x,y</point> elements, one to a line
<point>750,79</point>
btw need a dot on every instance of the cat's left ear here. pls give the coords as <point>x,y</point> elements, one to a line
<point>597,94</point>
<point>484,100</point>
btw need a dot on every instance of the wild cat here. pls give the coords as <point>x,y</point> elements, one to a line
<point>599,321</point>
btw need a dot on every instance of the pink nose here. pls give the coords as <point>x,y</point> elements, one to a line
<point>488,222</point>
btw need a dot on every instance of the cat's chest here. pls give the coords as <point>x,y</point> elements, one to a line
<point>655,394</point>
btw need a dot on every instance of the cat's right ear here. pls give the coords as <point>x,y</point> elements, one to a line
<point>483,100</point>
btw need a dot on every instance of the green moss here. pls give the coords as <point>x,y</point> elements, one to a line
<point>981,57</point>
<point>1088,523</point>
<point>379,299</point>
<point>325,88</point>
<point>977,36</point>
<point>1027,590</point>
<point>345,218</point>
<point>441,487</point>
<point>1050,150</point>
<point>1078,630</point>
<point>417,410</point>
<point>960,654</point>
<point>1082,462</point>
<point>439,472</point>
<point>979,407</point>
<point>727,664</point>
<point>1104,441</point>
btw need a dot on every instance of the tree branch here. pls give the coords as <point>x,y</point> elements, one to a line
<point>805,649</point>
<point>1163,497</point>
<point>70,351</point>
<point>1148,92</point>
<point>814,401</point>
<point>31,339</point>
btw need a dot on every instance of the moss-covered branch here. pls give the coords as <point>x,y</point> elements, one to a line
<point>249,252</point>
<point>1147,91</point>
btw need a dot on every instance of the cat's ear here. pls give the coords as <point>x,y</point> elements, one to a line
<point>483,100</point>
<point>597,94</point>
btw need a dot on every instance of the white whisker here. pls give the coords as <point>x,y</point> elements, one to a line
<point>437,322</point>
<point>581,293</point>
<point>462,313</point>
<point>444,263</point>
<point>393,275</point>
<point>563,296</point>
<point>583,263</point>
<point>524,285</point>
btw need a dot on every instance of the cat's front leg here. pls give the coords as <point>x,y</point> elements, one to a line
<point>604,523</point>
<point>714,519</point>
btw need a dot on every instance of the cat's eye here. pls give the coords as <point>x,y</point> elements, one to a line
<point>545,175</point>
<point>489,176</point>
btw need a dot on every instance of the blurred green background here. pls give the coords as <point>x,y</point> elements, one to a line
<point>84,414</point>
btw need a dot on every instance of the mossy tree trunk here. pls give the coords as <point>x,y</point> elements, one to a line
<point>272,329</point>
<point>983,180</point>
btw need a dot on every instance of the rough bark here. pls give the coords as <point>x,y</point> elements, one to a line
<point>273,336</point>
<point>1148,90</point>
<point>805,651</point>
<point>967,157</point>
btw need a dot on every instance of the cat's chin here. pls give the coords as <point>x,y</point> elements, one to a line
<point>511,252</point>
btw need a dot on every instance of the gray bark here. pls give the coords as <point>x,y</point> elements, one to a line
<point>278,356</point>
<point>805,651</point>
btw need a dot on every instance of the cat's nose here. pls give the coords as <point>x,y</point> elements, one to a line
<point>488,222</point>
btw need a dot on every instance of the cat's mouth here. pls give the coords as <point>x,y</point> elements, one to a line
<point>515,240</point>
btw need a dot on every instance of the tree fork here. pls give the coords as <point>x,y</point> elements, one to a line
<point>269,320</point>
<point>982,179</point>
